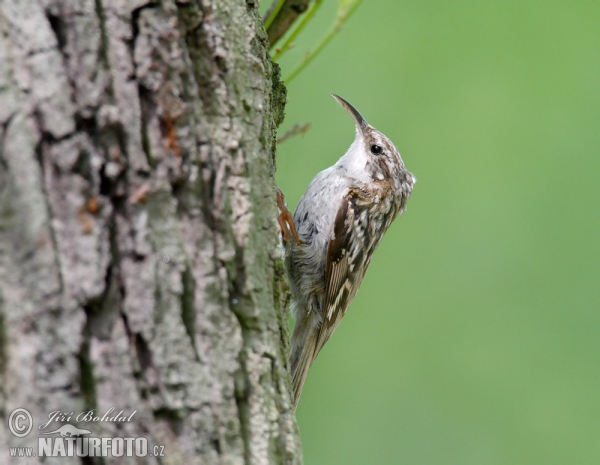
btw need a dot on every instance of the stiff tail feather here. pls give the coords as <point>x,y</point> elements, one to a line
<point>301,363</point>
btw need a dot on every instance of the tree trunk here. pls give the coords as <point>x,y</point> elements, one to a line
<point>139,268</point>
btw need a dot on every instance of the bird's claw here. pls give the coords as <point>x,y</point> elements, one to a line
<point>285,219</point>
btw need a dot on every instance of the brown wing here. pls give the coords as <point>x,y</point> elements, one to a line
<point>346,263</point>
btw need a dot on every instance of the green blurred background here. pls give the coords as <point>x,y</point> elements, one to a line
<point>474,338</point>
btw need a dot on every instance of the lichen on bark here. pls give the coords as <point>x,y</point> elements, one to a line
<point>139,267</point>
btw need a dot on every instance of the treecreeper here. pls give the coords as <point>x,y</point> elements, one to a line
<point>339,222</point>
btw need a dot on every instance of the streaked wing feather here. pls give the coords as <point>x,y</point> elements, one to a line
<point>343,273</point>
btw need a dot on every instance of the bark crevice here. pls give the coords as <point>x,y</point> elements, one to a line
<point>138,232</point>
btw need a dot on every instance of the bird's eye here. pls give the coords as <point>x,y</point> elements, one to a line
<point>376,149</point>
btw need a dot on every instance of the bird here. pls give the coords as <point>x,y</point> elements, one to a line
<point>339,222</point>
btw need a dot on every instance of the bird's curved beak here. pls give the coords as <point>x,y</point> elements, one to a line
<point>361,123</point>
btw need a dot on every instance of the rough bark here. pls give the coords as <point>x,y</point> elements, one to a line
<point>138,238</point>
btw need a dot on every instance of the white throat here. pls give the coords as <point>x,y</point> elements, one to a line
<point>355,160</point>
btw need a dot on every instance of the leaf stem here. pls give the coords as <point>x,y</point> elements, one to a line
<point>343,16</point>
<point>307,17</point>
<point>273,14</point>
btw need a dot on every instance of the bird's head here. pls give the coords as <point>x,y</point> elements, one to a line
<point>372,157</point>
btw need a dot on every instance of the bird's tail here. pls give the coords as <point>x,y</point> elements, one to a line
<point>303,355</point>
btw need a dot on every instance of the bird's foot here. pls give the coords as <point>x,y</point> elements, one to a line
<point>285,219</point>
